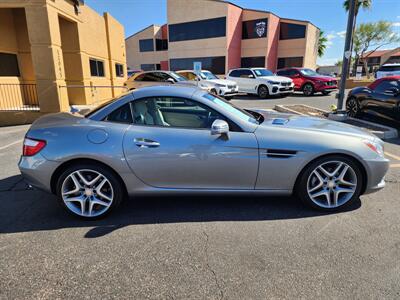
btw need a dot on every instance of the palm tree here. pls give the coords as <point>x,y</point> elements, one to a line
<point>364,4</point>
<point>321,43</point>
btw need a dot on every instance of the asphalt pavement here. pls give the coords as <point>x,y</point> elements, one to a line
<point>195,247</point>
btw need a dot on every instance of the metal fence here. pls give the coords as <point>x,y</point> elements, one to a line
<point>18,97</point>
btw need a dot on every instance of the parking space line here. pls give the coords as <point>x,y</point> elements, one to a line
<point>392,156</point>
<point>11,144</point>
<point>395,166</point>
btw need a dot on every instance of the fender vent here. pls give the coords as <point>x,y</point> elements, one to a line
<point>280,153</point>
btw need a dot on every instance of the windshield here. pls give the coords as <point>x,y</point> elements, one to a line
<point>238,112</point>
<point>263,72</point>
<point>177,77</point>
<point>309,72</point>
<point>207,75</point>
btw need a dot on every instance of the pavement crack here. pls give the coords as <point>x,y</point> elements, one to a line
<point>206,252</point>
<point>14,185</point>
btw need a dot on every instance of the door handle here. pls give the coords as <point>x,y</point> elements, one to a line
<point>145,143</point>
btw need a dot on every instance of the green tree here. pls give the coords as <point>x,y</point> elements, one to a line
<point>371,36</point>
<point>322,40</point>
<point>365,5</point>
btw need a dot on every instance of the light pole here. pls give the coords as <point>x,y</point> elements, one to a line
<point>346,59</point>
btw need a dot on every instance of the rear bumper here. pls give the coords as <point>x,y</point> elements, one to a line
<point>37,171</point>
<point>376,171</point>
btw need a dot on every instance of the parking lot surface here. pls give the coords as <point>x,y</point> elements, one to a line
<point>194,247</point>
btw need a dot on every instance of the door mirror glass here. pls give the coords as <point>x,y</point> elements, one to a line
<point>170,80</point>
<point>219,127</point>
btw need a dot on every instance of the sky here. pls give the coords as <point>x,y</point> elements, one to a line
<point>328,15</point>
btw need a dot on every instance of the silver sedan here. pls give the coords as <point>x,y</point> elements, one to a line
<point>170,139</point>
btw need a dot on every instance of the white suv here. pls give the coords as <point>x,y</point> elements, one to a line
<point>261,81</point>
<point>388,70</point>
<point>217,86</point>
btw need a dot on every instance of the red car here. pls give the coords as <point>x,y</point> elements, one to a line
<point>309,81</point>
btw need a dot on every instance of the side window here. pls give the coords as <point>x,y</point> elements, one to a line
<point>190,76</point>
<point>173,112</point>
<point>385,85</point>
<point>246,73</point>
<point>121,115</point>
<point>139,77</point>
<point>292,72</point>
<point>283,73</point>
<point>151,77</point>
<point>235,73</point>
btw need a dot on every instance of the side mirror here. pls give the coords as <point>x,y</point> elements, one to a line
<point>392,91</point>
<point>219,127</point>
<point>295,75</point>
<point>170,80</point>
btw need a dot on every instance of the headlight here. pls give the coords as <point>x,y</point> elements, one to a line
<point>220,85</point>
<point>376,147</point>
<point>273,82</point>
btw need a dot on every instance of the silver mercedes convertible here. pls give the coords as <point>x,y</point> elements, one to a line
<point>171,139</point>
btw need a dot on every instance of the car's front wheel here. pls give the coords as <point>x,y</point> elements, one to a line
<point>330,183</point>
<point>89,191</point>
<point>352,107</point>
<point>263,91</point>
<point>325,93</point>
<point>308,89</point>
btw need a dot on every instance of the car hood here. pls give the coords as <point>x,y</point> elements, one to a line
<point>305,123</point>
<point>220,81</point>
<point>276,78</point>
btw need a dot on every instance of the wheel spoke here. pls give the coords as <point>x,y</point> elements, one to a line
<point>337,169</point>
<point>80,199</point>
<point>92,182</point>
<point>320,184</point>
<point>325,172</point>
<point>84,180</point>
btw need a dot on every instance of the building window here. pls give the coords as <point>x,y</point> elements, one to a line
<point>147,67</point>
<point>9,65</point>
<point>146,45</point>
<point>161,45</point>
<point>287,62</point>
<point>196,30</point>
<point>158,66</point>
<point>119,70</point>
<point>254,29</point>
<point>253,62</point>
<point>214,64</point>
<point>96,67</point>
<point>290,31</point>
<point>374,60</point>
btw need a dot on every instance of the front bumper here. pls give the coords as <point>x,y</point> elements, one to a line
<point>325,88</point>
<point>225,91</point>
<point>37,171</point>
<point>376,171</point>
<point>279,89</point>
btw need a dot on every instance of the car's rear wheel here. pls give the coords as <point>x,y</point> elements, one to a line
<point>263,91</point>
<point>352,107</point>
<point>325,93</point>
<point>330,183</point>
<point>89,191</point>
<point>308,89</point>
<point>228,98</point>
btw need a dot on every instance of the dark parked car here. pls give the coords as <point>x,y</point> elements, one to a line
<point>308,81</point>
<point>382,98</point>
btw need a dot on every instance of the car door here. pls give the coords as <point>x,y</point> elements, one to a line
<point>383,100</point>
<point>296,77</point>
<point>247,81</point>
<point>171,146</point>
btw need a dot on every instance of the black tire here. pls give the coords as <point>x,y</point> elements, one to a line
<point>308,90</point>
<point>262,91</point>
<point>352,107</point>
<point>325,93</point>
<point>117,187</point>
<point>228,98</point>
<point>302,182</point>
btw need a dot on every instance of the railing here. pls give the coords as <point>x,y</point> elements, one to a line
<point>96,95</point>
<point>17,97</point>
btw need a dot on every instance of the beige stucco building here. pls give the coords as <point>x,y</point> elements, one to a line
<point>56,53</point>
<point>222,36</point>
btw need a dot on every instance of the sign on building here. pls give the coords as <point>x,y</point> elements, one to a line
<point>197,67</point>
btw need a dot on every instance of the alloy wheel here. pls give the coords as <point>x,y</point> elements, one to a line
<point>352,107</point>
<point>262,91</point>
<point>308,90</point>
<point>87,193</point>
<point>332,184</point>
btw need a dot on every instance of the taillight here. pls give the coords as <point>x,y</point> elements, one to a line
<point>32,147</point>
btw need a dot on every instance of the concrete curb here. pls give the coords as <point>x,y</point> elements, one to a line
<point>386,133</point>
